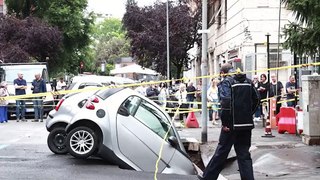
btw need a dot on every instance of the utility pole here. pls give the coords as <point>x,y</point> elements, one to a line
<point>204,72</point>
<point>268,56</point>
<point>268,66</point>
<point>168,48</point>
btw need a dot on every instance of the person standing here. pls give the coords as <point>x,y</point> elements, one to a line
<point>213,100</point>
<point>141,89</point>
<point>263,90</point>
<point>20,86</point>
<point>276,89</point>
<point>291,89</point>
<point>198,94</point>
<point>3,103</point>
<point>61,85</point>
<point>191,90</point>
<point>237,124</point>
<point>38,86</point>
<point>256,82</point>
<point>163,94</point>
<point>152,92</point>
<point>181,95</point>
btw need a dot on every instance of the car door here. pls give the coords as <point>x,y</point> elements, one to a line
<point>141,133</point>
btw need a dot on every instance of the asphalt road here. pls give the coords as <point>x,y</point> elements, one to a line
<point>24,155</point>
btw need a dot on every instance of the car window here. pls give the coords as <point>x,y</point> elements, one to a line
<point>70,86</point>
<point>149,115</point>
<point>83,85</point>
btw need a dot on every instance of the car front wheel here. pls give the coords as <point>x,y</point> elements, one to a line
<point>82,142</point>
<point>56,141</point>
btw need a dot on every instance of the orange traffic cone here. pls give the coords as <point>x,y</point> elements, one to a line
<point>191,121</point>
<point>268,131</point>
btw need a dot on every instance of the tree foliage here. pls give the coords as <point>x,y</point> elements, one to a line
<point>303,36</point>
<point>146,28</point>
<point>71,19</point>
<point>110,41</point>
<point>28,40</point>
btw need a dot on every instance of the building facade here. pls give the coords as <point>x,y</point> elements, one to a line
<point>238,30</point>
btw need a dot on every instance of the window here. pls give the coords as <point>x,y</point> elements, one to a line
<point>274,57</point>
<point>149,115</point>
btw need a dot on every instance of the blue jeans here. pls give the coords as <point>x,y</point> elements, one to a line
<point>258,113</point>
<point>20,108</point>
<point>190,100</point>
<point>38,112</point>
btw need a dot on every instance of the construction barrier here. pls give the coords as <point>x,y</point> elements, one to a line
<point>287,120</point>
<point>272,112</point>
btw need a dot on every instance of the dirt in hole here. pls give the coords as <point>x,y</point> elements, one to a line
<point>195,157</point>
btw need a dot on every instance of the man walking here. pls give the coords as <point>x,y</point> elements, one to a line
<point>38,86</point>
<point>20,86</point>
<point>239,100</point>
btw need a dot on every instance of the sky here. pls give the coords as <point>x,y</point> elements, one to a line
<point>115,8</point>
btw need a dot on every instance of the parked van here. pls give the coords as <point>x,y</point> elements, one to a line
<point>9,72</point>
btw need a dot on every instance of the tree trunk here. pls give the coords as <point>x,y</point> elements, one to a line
<point>179,70</point>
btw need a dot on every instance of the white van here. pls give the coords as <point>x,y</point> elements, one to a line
<point>9,72</point>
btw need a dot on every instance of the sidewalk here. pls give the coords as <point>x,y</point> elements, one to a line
<point>281,157</point>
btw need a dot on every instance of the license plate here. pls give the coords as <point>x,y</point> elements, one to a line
<point>29,110</point>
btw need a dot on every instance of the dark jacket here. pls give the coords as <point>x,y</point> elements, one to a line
<point>39,86</point>
<point>191,92</point>
<point>152,93</point>
<point>239,100</point>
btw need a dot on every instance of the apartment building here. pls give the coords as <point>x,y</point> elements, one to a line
<point>238,30</point>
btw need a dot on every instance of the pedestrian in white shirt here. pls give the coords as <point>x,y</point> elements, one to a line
<point>61,85</point>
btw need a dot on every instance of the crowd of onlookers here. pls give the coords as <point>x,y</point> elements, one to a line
<point>275,89</point>
<point>183,95</point>
<point>187,96</point>
<point>38,85</point>
<point>179,94</point>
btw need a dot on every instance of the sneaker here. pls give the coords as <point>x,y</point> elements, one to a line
<point>214,123</point>
<point>35,120</point>
<point>17,120</point>
<point>41,120</point>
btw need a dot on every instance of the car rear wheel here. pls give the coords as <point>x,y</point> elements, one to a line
<point>82,142</point>
<point>57,141</point>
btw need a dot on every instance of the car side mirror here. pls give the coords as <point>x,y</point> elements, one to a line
<point>173,141</point>
<point>123,111</point>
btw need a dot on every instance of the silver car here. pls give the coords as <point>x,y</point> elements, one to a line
<point>127,129</point>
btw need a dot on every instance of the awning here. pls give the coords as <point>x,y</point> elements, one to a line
<point>135,68</point>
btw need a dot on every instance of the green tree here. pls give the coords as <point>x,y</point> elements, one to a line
<point>303,35</point>
<point>110,41</point>
<point>146,28</point>
<point>28,40</point>
<point>71,19</point>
